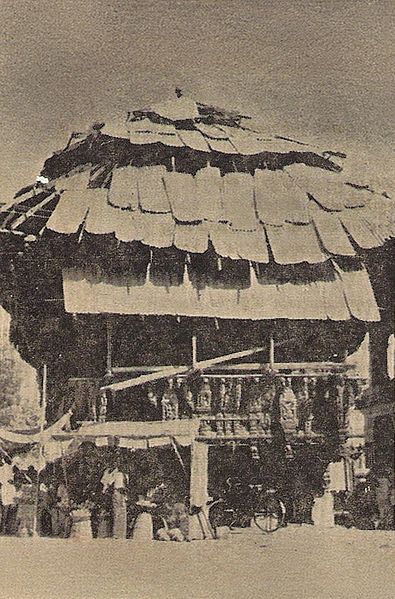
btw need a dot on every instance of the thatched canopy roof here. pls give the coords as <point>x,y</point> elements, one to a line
<point>192,213</point>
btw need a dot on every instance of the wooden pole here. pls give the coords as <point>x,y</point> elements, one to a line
<point>44,398</point>
<point>40,446</point>
<point>198,520</point>
<point>109,346</point>
<point>271,352</point>
<point>194,351</point>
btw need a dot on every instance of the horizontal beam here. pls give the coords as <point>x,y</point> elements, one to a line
<point>249,366</point>
<point>140,369</point>
<point>176,371</point>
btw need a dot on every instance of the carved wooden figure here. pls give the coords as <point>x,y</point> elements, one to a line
<point>303,402</point>
<point>222,396</point>
<point>255,398</point>
<point>313,398</point>
<point>288,407</point>
<point>204,396</point>
<point>170,402</point>
<point>238,395</point>
<point>103,407</point>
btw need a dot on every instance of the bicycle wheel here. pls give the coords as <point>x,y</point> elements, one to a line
<point>216,514</point>
<point>267,521</point>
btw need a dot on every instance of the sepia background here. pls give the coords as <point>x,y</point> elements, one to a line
<point>319,70</point>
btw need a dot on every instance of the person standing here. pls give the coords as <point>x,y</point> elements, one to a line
<point>362,507</point>
<point>119,505</point>
<point>303,499</point>
<point>61,513</point>
<point>8,499</point>
<point>115,479</point>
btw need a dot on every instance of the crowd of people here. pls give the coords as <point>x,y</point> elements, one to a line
<point>54,506</point>
<point>28,507</point>
<point>46,507</point>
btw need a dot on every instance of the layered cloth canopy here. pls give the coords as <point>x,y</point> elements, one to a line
<point>193,214</point>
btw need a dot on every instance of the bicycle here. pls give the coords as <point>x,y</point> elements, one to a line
<point>271,513</point>
<point>241,505</point>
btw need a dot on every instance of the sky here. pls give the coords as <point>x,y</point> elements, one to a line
<point>319,70</point>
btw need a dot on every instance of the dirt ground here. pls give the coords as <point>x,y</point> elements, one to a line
<point>293,563</point>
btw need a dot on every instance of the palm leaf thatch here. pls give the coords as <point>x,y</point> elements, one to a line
<point>192,213</point>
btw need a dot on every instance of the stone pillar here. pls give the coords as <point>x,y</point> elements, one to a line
<point>198,519</point>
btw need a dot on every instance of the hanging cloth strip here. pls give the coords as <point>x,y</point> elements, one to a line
<point>26,438</point>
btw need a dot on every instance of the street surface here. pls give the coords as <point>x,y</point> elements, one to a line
<point>293,563</point>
